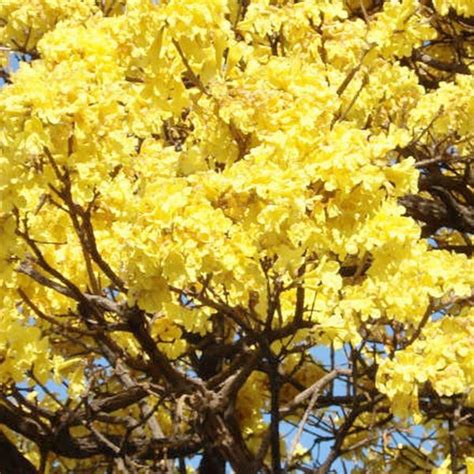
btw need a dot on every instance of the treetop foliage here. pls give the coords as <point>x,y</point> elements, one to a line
<point>199,198</point>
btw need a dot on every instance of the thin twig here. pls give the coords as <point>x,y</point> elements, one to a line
<point>313,392</point>
<point>194,77</point>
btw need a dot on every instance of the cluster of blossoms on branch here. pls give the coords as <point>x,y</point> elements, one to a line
<point>198,198</point>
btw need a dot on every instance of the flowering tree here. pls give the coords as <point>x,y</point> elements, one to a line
<point>235,233</point>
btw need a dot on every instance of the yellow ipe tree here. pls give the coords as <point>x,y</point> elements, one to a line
<point>235,236</point>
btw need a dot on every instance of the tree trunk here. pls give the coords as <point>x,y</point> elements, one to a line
<point>11,460</point>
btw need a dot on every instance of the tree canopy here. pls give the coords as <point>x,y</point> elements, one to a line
<point>235,234</point>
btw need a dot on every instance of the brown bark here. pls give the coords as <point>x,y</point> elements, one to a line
<point>12,460</point>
